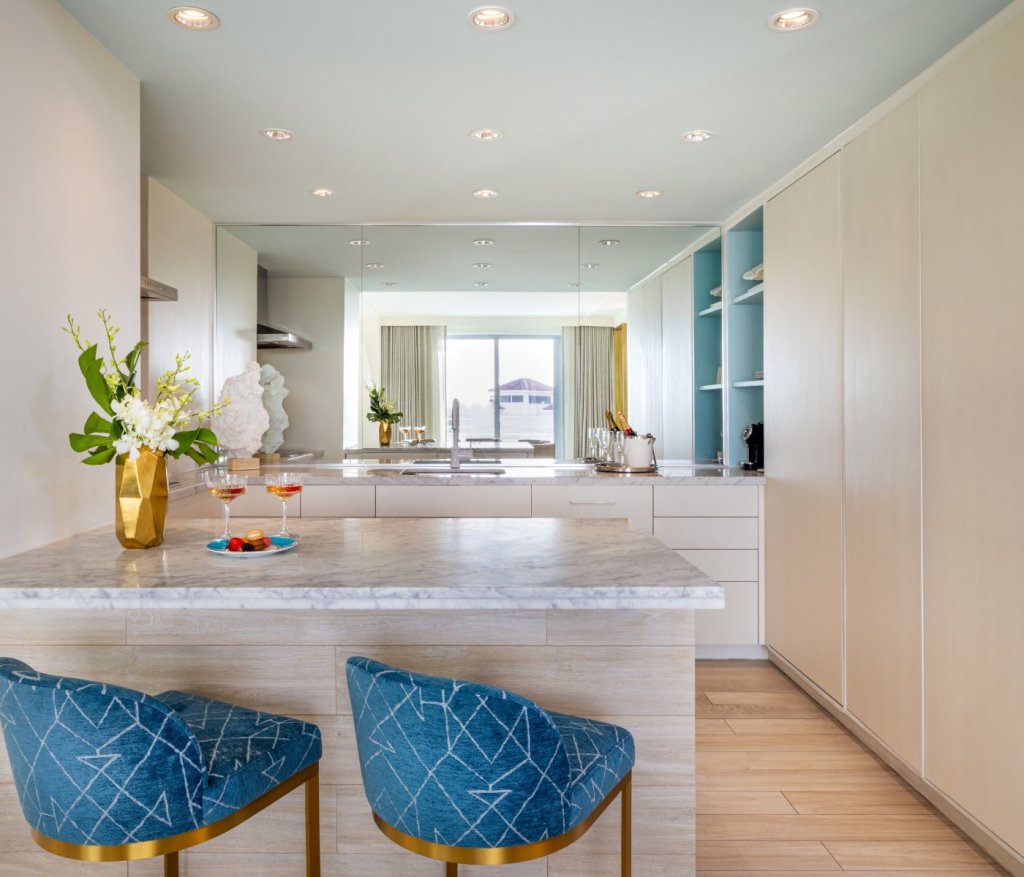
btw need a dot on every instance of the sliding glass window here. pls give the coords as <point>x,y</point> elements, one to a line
<point>507,387</point>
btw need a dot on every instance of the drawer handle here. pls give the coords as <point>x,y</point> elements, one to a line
<point>591,502</point>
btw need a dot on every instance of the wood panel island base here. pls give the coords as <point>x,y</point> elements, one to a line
<point>584,616</point>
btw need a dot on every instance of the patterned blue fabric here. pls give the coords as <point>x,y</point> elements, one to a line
<point>98,764</point>
<point>469,765</point>
<point>245,753</point>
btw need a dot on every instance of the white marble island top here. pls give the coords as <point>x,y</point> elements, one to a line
<point>369,564</point>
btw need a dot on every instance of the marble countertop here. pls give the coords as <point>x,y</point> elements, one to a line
<point>369,563</point>
<point>388,471</point>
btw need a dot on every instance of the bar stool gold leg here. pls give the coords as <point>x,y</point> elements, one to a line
<point>171,865</point>
<point>451,869</point>
<point>627,826</point>
<point>313,824</point>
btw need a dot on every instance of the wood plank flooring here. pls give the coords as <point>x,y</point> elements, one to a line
<point>783,789</point>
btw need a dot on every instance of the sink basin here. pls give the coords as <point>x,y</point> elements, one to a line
<point>448,470</point>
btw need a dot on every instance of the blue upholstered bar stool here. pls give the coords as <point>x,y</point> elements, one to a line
<point>471,774</point>
<point>107,774</point>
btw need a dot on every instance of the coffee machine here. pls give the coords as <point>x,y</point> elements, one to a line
<point>753,435</point>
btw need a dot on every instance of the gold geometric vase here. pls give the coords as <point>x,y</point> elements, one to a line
<point>140,493</point>
<point>384,433</point>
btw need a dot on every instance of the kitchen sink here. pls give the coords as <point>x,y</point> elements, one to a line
<point>448,470</point>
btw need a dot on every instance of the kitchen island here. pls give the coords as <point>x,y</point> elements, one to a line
<point>584,616</point>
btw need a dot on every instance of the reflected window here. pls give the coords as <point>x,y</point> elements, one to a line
<point>506,386</point>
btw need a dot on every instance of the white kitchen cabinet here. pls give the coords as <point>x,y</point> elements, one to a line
<point>336,501</point>
<point>454,501</point>
<point>804,424</point>
<point>611,501</point>
<point>882,442</point>
<point>718,530</point>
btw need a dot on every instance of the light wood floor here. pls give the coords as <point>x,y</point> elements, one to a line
<point>782,788</point>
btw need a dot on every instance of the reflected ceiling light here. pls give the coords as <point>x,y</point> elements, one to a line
<point>481,264</point>
<point>358,243</point>
<point>609,242</point>
<point>697,136</point>
<point>491,17</point>
<point>486,135</point>
<point>322,193</point>
<point>193,18</point>
<point>648,193</point>
<point>575,285</point>
<point>374,264</point>
<point>793,19</point>
<point>591,264</point>
<point>481,283</point>
<point>277,134</point>
<point>389,283</point>
<point>483,242</point>
<point>485,193</point>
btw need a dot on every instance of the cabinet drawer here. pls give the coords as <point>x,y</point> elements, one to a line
<point>706,501</point>
<point>707,532</point>
<point>254,503</point>
<point>736,624</point>
<point>454,501</point>
<point>333,501</point>
<point>595,502</point>
<point>724,566</point>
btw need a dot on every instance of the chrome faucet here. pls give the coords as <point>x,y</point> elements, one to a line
<point>457,455</point>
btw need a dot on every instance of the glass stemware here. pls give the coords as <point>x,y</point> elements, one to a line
<point>226,488</point>
<point>284,486</point>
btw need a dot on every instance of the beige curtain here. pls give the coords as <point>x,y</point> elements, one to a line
<point>412,372</point>
<point>588,386</point>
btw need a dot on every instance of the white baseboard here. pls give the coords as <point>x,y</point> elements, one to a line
<point>731,653</point>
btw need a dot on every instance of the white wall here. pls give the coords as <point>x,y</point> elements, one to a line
<point>371,323</point>
<point>352,385</point>
<point>315,309</point>
<point>643,354</point>
<point>235,322</point>
<point>178,249</point>
<point>69,242</point>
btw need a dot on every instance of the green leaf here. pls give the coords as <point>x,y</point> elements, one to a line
<point>209,453</point>
<point>95,423</point>
<point>207,436</point>
<point>131,361</point>
<point>196,456</point>
<point>80,443</point>
<point>92,369</point>
<point>104,456</point>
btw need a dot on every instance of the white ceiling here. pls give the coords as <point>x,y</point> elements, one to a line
<point>592,96</point>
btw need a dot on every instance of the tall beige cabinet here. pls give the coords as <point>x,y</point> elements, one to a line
<point>893,399</point>
<point>803,412</point>
<point>882,437</point>
<point>972,257</point>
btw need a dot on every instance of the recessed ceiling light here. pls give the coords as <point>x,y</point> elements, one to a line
<point>591,264</point>
<point>358,243</point>
<point>609,242</point>
<point>697,136</point>
<point>481,264</point>
<point>277,134</point>
<point>575,285</point>
<point>193,18</point>
<point>491,17</point>
<point>389,283</point>
<point>485,193</point>
<point>648,193</point>
<point>793,19</point>
<point>322,193</point>
<point>483,242</point>
<point>486,135</point>
<point>481,283</point>
<point>374,264</point>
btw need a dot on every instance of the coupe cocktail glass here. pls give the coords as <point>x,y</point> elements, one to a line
<point>226,488</point>
<point>284,486</point>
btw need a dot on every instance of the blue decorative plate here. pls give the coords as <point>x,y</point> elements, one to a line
<point>277,545</point>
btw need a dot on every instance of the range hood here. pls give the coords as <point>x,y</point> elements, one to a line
<point>267,336</point>
<point>154,290</point>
